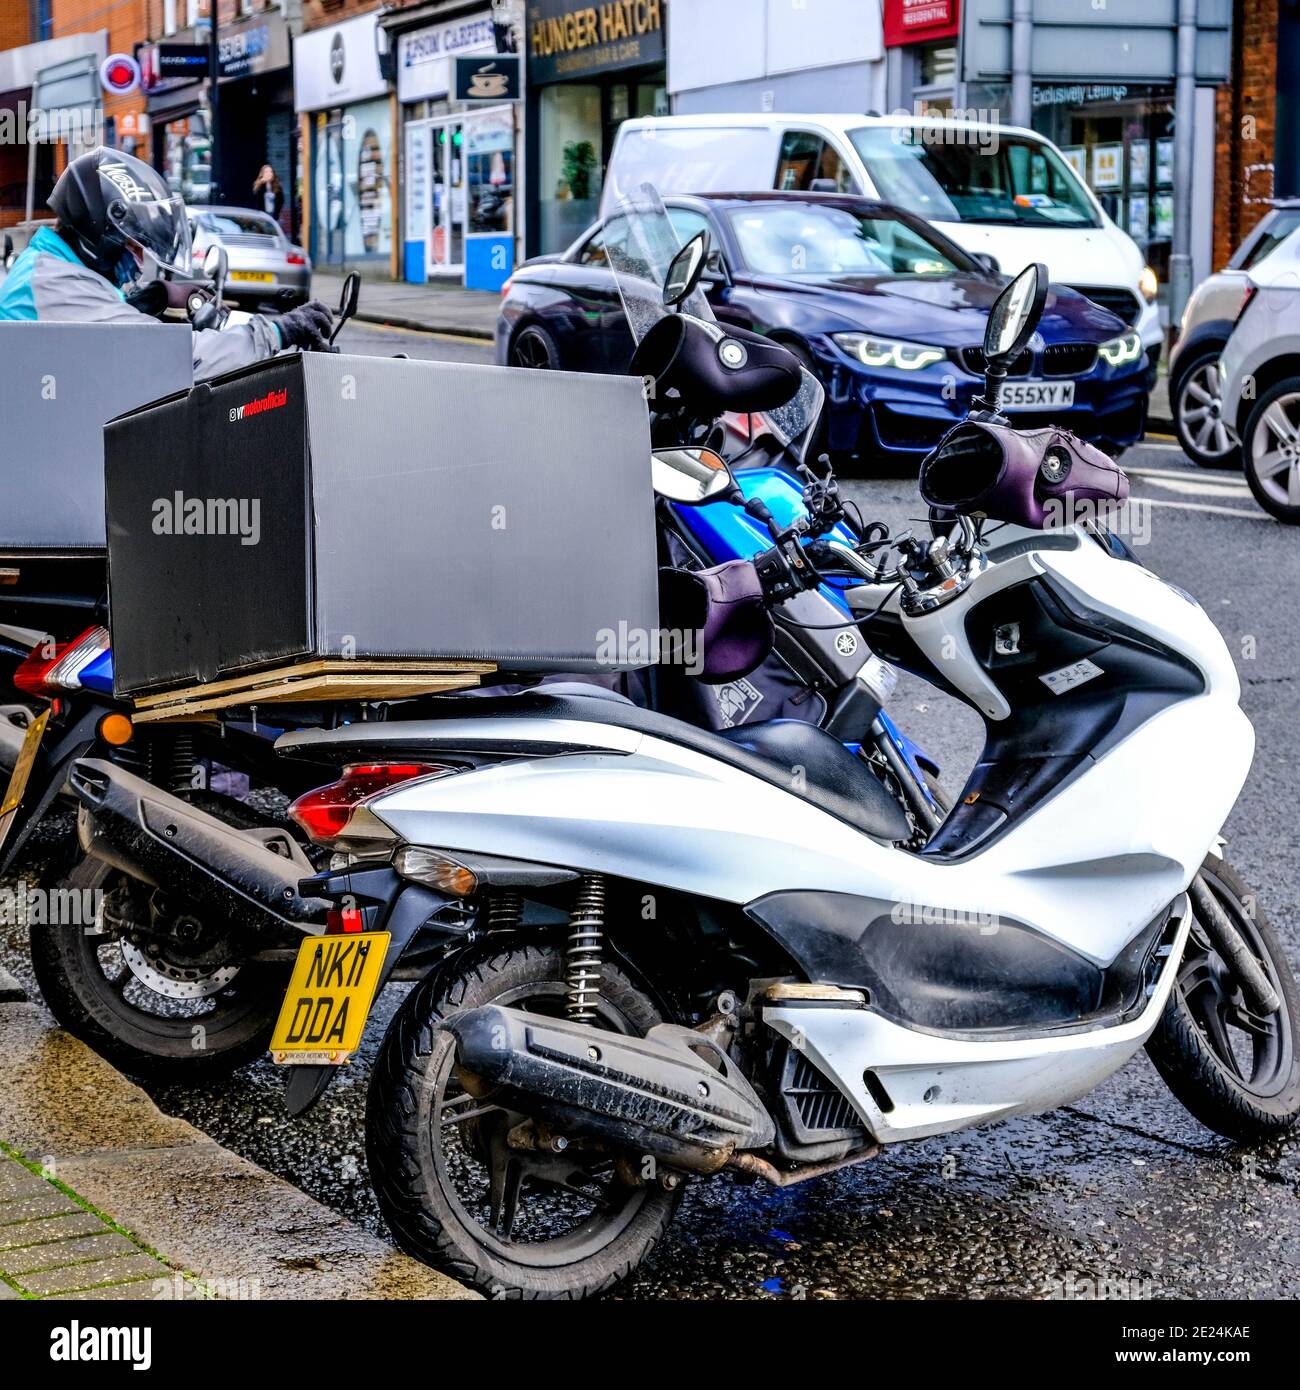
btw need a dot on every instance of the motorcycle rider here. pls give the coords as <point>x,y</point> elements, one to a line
<point>113,210</point>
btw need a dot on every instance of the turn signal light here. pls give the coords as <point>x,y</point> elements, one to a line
<point>437,870</point>
<point>116,730</point>
<point>339,811</point>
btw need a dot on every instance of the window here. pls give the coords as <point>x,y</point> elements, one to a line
<point>792,239</point>
<point>805,157</point>
<point>594,253</point>
<point>1279,225</point>
<point>226,224</point>
<point>688,223</point>
<point>169,16</point>
<point>988,179</point>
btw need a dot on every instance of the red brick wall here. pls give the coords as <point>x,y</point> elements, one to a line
<point>127,25</point>
<point>1245,113</point>
<point>14,24</point>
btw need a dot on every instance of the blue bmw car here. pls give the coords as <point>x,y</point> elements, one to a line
<point>886,311</point>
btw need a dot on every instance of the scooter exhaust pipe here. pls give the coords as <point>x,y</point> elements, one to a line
<point>165,841</point>
<point>674,1094</point>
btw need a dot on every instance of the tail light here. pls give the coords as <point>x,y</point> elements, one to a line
<point>1251,291</point>
<point>47,671</point>
<point>340,811</point>
<point>505,289</point>
<point>293,258</point>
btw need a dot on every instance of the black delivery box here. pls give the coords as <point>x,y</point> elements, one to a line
<point>325,506</point>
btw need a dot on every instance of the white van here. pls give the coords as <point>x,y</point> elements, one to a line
<point>998,191</point>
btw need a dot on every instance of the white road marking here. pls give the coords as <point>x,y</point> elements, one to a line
<point>1200,488</point>
<point>1260,515</point>
<point>1201,476</point>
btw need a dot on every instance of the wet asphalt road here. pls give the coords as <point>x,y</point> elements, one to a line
<point>1123,1187</point>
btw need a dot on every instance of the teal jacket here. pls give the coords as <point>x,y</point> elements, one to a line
<point>48,284</point>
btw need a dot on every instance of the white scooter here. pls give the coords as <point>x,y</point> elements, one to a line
<point>697,955</point>
<point>668,954</point>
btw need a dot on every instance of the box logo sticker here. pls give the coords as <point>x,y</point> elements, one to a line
<point>273,400</point>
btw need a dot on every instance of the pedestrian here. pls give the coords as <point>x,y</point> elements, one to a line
<point>272,194</point>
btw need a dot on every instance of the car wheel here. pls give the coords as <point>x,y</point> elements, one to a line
<point>1207,438</point>
<point>534,347</point>
<point>1270,449</point>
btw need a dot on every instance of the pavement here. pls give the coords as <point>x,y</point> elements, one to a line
<point>104,1197</point>
<point>431,308</point>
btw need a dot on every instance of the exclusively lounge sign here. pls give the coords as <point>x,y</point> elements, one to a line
<point>569,39</point>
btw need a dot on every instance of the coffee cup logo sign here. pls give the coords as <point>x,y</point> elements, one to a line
<point>336,59</point>
<point>487,84</point>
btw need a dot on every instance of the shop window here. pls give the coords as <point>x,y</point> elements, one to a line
<point>805,157</point>
<point>570,173</point>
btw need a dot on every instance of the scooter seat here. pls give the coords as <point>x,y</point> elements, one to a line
<point>835,779</point>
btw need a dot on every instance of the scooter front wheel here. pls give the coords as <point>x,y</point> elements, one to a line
<point>458,1183</point>
<point>1236,1070</point>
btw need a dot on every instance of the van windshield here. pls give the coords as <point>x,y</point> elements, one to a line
<point>990,178</point>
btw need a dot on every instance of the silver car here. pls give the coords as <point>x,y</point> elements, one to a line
<point>1207,437</point>
<point>265,266</point>
<point>1259,377</point>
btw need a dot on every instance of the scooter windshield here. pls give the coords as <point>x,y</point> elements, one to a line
<point>640,243</point>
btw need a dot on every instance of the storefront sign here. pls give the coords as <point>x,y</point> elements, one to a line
<point>424,55</point>
<point>184,62</point>
<point>493,77</point>
<point>337,65</point>
<point>256,45</point>
<point>920,21</point>
<point>568,39</point>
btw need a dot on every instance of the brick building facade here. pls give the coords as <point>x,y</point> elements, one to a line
<point>1246,123</point>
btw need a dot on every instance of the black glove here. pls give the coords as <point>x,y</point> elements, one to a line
<point>308,326</point>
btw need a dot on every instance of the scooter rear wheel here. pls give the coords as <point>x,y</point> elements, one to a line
<point>1237,1072</point>
<point>188,1010</point>
<point>454,1185</point>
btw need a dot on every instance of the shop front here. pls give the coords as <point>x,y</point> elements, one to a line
<point>177,111</point>
<point>1119,138</point>
<point>590,67</point>
<point>257,116</point>
<point>921,38</point>
<point>347,118</point>
<point>460,169</point>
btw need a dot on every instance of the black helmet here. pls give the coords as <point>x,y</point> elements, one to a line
<point>106,199</point>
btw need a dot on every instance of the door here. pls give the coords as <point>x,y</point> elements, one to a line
<point>447,213</point>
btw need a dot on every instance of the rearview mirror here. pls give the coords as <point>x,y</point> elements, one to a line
<point>216,266</point>
<point>689,476</point>
<point>1011,323</point>
<point>348,301</point>
<point>1014,315</point>
<point>685,271</point>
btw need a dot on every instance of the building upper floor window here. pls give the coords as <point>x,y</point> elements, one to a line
<point>169,16</point>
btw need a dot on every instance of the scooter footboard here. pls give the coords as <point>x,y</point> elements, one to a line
<point>908,1084</point>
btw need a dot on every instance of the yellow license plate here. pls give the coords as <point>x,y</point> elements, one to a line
<point>333,986</point>
<point>26,761</point>
<point>259,277</point>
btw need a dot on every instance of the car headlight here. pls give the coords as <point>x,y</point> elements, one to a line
<point>1148,284</point>
<point>888,352</point>
<point>1118,351</point>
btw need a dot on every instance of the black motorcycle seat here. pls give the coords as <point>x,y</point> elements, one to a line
<point>800,758</point>
<point>840,781</point>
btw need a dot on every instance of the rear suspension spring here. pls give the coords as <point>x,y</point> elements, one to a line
<point>583,957</point>
<point>504,911</point>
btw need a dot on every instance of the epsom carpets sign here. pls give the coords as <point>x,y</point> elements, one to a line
<point>568,39</point>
